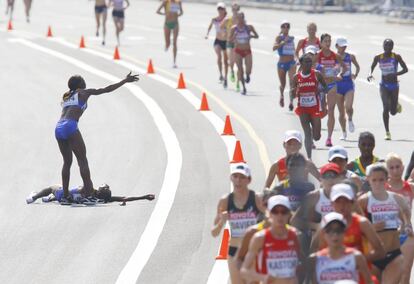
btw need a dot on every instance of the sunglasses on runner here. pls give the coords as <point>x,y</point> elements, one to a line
<point>329,175</point>
<point>277,211</point>
<point>287,26</point>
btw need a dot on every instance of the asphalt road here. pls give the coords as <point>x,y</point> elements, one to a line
<point>44,243</point>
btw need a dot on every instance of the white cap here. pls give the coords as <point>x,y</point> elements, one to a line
<point>341,42</point>
<point>241,168</point>
<point>278,200</point>
<point>310,49</point>
<point>342,190</point>
<point>337,151</point>
<point>284,22</point>
<point>221,5</point>
<point>331,217</point>
<point>293,134</point>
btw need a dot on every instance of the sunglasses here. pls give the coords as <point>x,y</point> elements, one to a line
<point>285,26</point>
<point>330,175</point>
<point>336,231</point>
<point>278,211</point>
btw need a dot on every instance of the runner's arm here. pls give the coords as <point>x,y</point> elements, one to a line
<point>409,173</point>
<point>127,4</point>
<point>244,247</point>
<point>232,36</point>
<point>271,176</point>
<point>132,198</point>
<point>221,217</point>
<point>406,214</point>
<point>373,65</point>
<point>278,43</point>
<point>181,10</point>
<point>312,268</point>
<point>341,62</point>
<point>95,92</point>
<point>378,252</point>
<point>317,241</point>
<point>259,203</point>
<point>362,267</point>
<point>252,30</point>
<point>293,92</point>
<point>403,65</point>
<point>313,170</point>
<point>209,28</point>
<point>299,47</point>
<point>248,270</point>
<point>357,67</point>
<point>160,7</point>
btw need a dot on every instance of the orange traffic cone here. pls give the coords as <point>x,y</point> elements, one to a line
<point>181,83</point>
<point>10,26</point>
<point>228,130</point>
<point>150,69</point>
<point>49,32</point>
<point>116,54</point>
<point>238,154</point>
<point>224,247</point>
<point>82,43</point>
<point>204,103</point>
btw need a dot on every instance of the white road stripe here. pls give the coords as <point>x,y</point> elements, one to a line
<point>165,200</point>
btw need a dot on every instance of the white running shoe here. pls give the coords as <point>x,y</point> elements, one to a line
<point>343,137</point>
<point>48,198</point>
<point>30,199</point>
<point>351,126</point>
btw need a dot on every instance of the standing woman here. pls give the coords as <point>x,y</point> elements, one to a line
<point>118,14</point>
<point>67,133</point>
<point>285,46</point>
<point>327,61</point>
<point>345,88</point>
<point>389,87</point>
<point>172,10</point>
<point>101,11</point>
<point>220,41</point>
<point>27,7</point>
<point>305,88</point>
<point>240,34</point>
<point>387,211</point>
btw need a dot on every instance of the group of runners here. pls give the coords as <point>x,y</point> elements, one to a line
<point>356,227</point>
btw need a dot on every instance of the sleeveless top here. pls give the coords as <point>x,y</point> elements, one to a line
<point>282,173</point>
<point>324,204</point>
<point>73,100</point>
<point>288,48</point>
<point>279,257</point>
<point>359,169</point>
<point>306,43</point>
<point>217,24</point>
<point>307,89</point>
<point>241,219</point>
<point>329,271</point>
<point>173,7</point>
<point>118,5</point>
<point>74,192</point>
<point>348,63</point>
<point>406,192</point>
<point>387,211</point>
<point>242,36</point>
<point>328,63</point>
<point>388,65</point>
<point>295,191</point>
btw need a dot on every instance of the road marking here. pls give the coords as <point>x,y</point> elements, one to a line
<point>158,218</point>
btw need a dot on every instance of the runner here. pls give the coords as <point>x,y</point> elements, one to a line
<point>27,7</point>
<point>337,262</point>
<point>10,8</point>
<point>241,209</point>
<point>389,87</point>
<point>276,249</point>
<point>339,155</point>
<point>101,11</point>
<point>172,10</point>
<point>296,186</point>
<point>240,34</point>
<point>328,61</point>
<point>227,24</point>
<point>384,208</point>
<point>359,231</point>
<point>220,41</point>
<point>310,41</point>
<point>67,133</point>
<point>345,88</point>
<point>396,184</point>
<point>285,46</point>
<point>55,193</point>
<point>366,145</point>
<point>118,14</point>
<point>309,109</point>
<point>292,144</point>
<point>409,173</point>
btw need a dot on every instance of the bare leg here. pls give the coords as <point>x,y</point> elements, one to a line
<point>98,22</point>
<point>66,151</point>
<point>78,147</point>
<point>240,71</point>
<point>175,37</point>
<point>291,74</point>
<point>42,193</point>
<point>340,102</point>
<point>226,64</point>
<point>385,94</point>
<point>248,61</point>
<point>234,270</point>
<point>217,49</point>
<point>167,36</point>
<point>282,79</point>
<point>104,17</point>
<point>393,271</point>
<point>28,5</point>
<point>408,252</point>
<point>305,121</point>
<point>349,101</point>
<point>331,100</point>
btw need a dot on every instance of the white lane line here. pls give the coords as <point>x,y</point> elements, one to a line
<point>402,96</point>
<point>166,197</point>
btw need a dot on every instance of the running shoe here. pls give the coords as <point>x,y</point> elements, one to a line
<point>237,86</point>
<point>221,79</point>
<point>387,136</point>
<point>247,79</point>
<point>30,199</point>
<point>351,126</point>
<point>232,77</point>
<point>328,142</point>
<point>343,137</point>
<point>399,108</point>
<point>225,84</point>
<point>313,145</point>
<point>175,66</point>
<point>103,42</point>
<point>244,92</point>
<point>291,106</point>
<point>48,198</point>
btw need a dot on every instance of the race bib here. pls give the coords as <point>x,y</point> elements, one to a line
<point>239,227</point>
<point>308,101</point>
<point>282,264</point>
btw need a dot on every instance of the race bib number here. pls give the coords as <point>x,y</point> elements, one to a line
<point>308,101</point>
<point>283,266</point>
<point>239,227</point>
<point>391,219</point>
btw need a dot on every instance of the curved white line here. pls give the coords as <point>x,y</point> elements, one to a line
<point>156,223</point>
